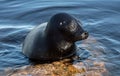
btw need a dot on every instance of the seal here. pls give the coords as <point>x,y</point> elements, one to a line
<point>56,40</point>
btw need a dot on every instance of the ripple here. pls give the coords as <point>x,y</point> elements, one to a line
<point>18,17</point>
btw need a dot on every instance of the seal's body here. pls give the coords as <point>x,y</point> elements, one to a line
<point>56,40</point>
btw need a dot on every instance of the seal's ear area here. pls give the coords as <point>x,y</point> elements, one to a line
<point>66,26</point>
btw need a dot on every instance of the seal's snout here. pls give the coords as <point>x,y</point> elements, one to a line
<point>84,35</point>
<point>81,36</point>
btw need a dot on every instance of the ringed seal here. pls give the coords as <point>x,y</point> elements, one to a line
<point>56,40</point>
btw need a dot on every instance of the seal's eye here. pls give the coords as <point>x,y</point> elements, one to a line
<point>62,23</point>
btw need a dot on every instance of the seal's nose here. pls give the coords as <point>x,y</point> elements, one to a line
<point>85,35</point>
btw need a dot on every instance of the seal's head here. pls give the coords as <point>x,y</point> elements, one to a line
<point>69,27</point>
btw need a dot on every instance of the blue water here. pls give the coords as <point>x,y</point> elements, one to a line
<point>100,18</point>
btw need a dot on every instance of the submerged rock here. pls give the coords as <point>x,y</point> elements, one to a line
<point>57,68</point>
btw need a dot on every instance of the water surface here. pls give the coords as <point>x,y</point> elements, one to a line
<point>100,18</point>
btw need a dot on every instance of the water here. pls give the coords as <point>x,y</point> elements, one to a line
<point>100,18</point>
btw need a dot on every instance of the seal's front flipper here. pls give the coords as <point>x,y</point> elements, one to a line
<point>82,54</point>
